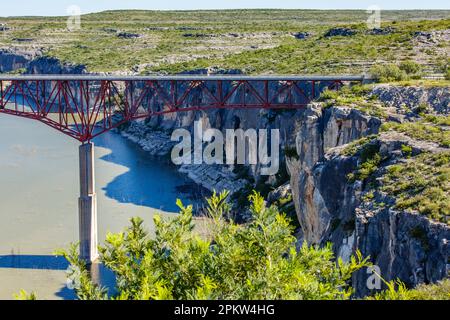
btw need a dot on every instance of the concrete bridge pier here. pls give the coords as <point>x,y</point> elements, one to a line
<point>87,205</point>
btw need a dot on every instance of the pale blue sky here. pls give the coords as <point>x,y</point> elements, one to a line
<point>59,7</point>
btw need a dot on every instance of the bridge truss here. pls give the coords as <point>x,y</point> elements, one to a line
<point>85,106</point>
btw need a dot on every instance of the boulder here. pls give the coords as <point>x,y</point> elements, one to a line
<point>128,35</point>
<point>343,32</point>
<point>301,35</point>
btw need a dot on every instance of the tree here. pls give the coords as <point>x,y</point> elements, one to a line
<point>257,260</point>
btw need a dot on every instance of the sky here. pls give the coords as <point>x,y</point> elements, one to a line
<point>60,7</point>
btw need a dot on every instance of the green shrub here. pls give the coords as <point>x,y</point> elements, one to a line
<point>328,94</point>
<point>421,130</point>
<point>368,167</point>
<point>353,147</point>
<point>291,152</point>
<point>422,108</point>
<point>406,150</point>
<point>369,161</point>
<point>257,260</point>
<point>421,184</point>
<point>398,291</point>
<point>23,295</point>
<point>388,73</point>
<point>410,67</point>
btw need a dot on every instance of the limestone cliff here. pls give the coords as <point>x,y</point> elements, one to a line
<point>319,130</point>
<point>14,59</point>
<point>333,208</point>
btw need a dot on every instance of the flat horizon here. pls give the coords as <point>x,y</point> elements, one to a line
<point>211,10</point>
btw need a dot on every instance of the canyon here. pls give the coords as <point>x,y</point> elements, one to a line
<point>328,205</point>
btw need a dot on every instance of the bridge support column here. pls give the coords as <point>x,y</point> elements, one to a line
<point>87,205</point>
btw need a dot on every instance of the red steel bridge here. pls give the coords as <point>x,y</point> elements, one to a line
<point>85,106</point>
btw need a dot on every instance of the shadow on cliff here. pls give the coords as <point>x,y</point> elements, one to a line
<point>148,182</point>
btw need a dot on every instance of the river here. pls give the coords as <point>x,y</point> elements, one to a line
<point>39,188</point>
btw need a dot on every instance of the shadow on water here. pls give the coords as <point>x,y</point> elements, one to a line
<point>39,262</point>
<point>148,182</point>
<point>99,273</point>
<point>33,262</point>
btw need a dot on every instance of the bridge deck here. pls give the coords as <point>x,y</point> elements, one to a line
<point>93,77</point>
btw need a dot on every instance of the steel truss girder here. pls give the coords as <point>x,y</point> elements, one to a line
<point>84,108</point>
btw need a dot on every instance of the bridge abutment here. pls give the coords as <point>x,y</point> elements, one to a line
<point>87,205</point>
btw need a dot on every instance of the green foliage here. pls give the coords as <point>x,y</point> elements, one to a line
<point>437,120</point>
<point>283,201</point>
<point>406,150</point>
<point>368,167</point>
<point>410,67</point>
<point>257,260</point>
<point>388,73</point>
<point>422,108</point>
<point>447,74</point>
<point>255,41</point>
<point>421,184</point>
<point>353,147</point>
<point>369,161</point>
<point>398,291</point>
<point>23,295</point>
<point>421,130</point>
<point>79,276</point>
<point>418,183</point>
<point>357,97</point>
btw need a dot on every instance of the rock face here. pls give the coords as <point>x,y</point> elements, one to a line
<point>382,31</point>
<point>320,130</point>
<point>328,206</point>
<point>4,27</point>
<point>343,32</point>
<point>436,98</point>
<point>330,209</point>
<point>12,60</point>
<point>49,65</point>
<point>155,142</point>
<point>33,62</point>
<point>403,245</point>
<point>214,177</point>
<point>154,136</point>
<point>301,35</point>
<point>128,35</point>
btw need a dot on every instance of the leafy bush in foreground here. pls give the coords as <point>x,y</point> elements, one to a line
<point>258,260</point>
